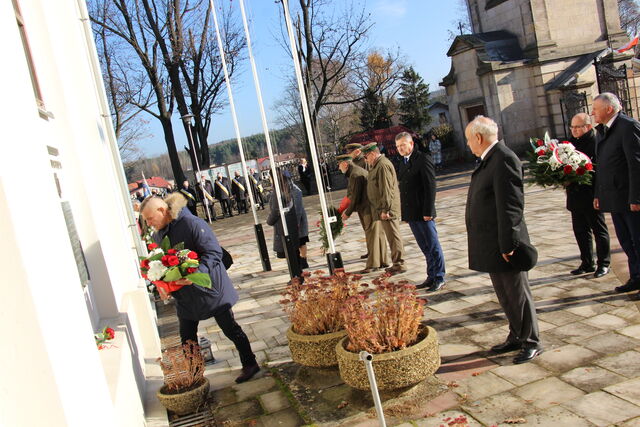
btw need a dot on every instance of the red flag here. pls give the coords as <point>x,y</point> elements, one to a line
<point>629,45</point>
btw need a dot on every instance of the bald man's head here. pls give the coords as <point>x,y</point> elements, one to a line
<point>580,124</point>
<point>155,212</point>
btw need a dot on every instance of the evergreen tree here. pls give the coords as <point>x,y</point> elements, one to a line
<point>374,113</point>
<point>414,100</point>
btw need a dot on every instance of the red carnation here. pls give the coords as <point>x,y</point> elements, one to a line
<point>541,152</point>
<point>110,333</point>
<point>191,270</point>
<point>589,166</point>
<point>171,252</point>
<point>192,255</point>
<point>580,170</point>
<point>165,260</point>
<point>173,260</point>
<point>540,143</point>
<point>567,169</point>
<point>144,264</point>
<point>565,142</point>
<point>152,246</point>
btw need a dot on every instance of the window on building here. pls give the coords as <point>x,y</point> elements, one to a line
<point>27,53</point>
<point>493,3</point>
<point>474,111</point>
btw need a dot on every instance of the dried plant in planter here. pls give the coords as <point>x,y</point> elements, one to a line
<point>183,367</point>
<point>384,319</point>
<point>314,306</point>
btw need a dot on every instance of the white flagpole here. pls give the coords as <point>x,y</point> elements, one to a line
<point>307,122</point>
<point>265,126</point>
<point>233,112</point>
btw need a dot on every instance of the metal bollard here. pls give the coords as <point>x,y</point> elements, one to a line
<point>367,358</point>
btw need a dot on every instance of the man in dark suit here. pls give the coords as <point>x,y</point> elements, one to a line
<point>617,187</point>
<point>417,179</point>
<point>305,175</point>
<point>223,194</point>
<point>496,229</point>
<point>587,222</point>
<point>239,189</point>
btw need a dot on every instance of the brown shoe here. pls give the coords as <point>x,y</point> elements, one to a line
<point>396,269</point>
<point>247,373</point>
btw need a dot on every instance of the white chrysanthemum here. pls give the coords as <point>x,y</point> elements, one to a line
<point>155,252</point>
<point>156,270</point>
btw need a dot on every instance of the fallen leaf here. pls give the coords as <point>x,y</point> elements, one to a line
<point>452,384</point>
<point>343,404</point>
<point>475,374</point>
<point>515,421</point>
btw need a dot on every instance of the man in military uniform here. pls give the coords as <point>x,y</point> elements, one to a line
<point>357,194</point>
<point>239,190</point>
<point>222,193</point>
<point>384,197</point>
<point>355,150</point>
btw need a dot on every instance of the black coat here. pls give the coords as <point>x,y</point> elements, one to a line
<point>194,302</point>
<point>495,210</point>
<point>618,161</point>
<point>304,173</point>
<point>239,193</point>
<point>292,224</point>
<point>220,194</point>
<point>580,197</point>
<point>417,179</point>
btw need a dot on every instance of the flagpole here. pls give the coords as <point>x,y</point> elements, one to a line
<point>334,259</point>
<point>292,258</point>
<point>187,122</point>
<point>262,246</point>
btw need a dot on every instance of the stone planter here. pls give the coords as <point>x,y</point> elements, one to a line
<point>393,370</point>
<point>186,402</point>
<point>317,351</point>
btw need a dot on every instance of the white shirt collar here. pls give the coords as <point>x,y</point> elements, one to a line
<point>613,119</point>
<point>484,153</point>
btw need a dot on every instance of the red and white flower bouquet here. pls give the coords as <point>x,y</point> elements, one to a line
<point>165,265</point>
<point>554,163</point>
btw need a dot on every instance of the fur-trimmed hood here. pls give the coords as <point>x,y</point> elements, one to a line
<point>176,202</point>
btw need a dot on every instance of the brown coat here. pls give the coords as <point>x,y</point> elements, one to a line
<point>357,190</point>
<point>382,188</point>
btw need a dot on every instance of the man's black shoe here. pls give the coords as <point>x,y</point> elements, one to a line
<point>601,271</point>
<point>506,347</point>
<point>247,373</point>
<point>426,284</point>
<point>526,355</point>
<point>365,256</point>
<point>436,285</point>
<point>631,285</point>
<point>583,270</point>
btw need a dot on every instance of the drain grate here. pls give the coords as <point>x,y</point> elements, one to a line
<point>199,419</point>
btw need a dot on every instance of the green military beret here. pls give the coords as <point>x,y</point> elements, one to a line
<point>370,147</point>
<point>353,146</point>
<point>344,158</point>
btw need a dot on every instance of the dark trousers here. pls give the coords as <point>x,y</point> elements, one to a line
<point>589,224</point>
<point>212,211</point>
<point>230,328</point>
<point>241,204</point>
<point>514,295</point>
<point>426,236</point>
<point>627,226</point>
<point>307,185</point>
<point>258,198</point>
<point>226,207</point>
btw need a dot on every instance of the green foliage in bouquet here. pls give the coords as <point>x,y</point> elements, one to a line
<point>336,227</point>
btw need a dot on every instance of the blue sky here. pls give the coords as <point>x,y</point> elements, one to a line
<point>417,27</point>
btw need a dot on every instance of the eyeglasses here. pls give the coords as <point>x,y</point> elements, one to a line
<point>576,127</point>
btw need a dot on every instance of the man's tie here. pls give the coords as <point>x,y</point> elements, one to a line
<point>406,160</point>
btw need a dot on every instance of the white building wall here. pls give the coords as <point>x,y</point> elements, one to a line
<point>52,374</point>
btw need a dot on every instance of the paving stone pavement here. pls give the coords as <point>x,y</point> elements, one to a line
<point>589,374</point>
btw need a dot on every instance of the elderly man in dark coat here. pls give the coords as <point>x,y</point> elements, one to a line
<point>222,192</point>
<point>239,189</point>
<point>195,303</point>
<point>617,187</point>
<point>497,235</point>
<point>587,222</point>
<point>417,179</point>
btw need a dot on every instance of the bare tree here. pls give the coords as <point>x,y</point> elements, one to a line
<point>333,52</point>
<point>629,16</point>
<point>462,24</point>
<point>123,19</point>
